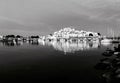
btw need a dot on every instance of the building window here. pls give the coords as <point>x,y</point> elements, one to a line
<point>90,34</point>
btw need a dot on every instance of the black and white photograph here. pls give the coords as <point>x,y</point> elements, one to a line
<point>60,41</point>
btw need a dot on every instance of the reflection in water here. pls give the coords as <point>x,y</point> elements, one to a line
<point>64,46</point>
<point>34,42</point>
<point>110,65</point>
<point>71,46</point>
<point>106,44</point>
<point>12,43</point>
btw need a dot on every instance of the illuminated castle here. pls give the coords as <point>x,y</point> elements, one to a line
<point>72,33</point>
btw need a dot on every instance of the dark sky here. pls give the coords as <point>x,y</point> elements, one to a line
<point>42,17</point>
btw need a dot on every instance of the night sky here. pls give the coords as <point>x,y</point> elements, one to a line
<point>42,17</point>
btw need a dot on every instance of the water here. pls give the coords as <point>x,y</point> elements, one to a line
<point>50,62</point>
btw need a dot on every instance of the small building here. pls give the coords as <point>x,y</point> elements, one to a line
<point>9,38</point>
<point>33,38</point>
<point>19,38</point>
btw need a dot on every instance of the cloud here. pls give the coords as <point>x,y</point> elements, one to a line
<point>98,9</point>
<point>45,16</point>
<point>3,19</point>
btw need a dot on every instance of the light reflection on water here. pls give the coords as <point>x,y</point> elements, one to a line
<point>71,47</point>
<point>64,46</point>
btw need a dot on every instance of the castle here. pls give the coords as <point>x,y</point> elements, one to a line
<point>68,33</point>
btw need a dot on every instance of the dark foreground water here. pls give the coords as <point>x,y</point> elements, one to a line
<point>50,63</point>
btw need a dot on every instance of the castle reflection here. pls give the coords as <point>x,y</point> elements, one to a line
<point>71,46</point>
<point>64,46</point>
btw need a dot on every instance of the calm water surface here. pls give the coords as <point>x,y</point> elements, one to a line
<point>51,62</point>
